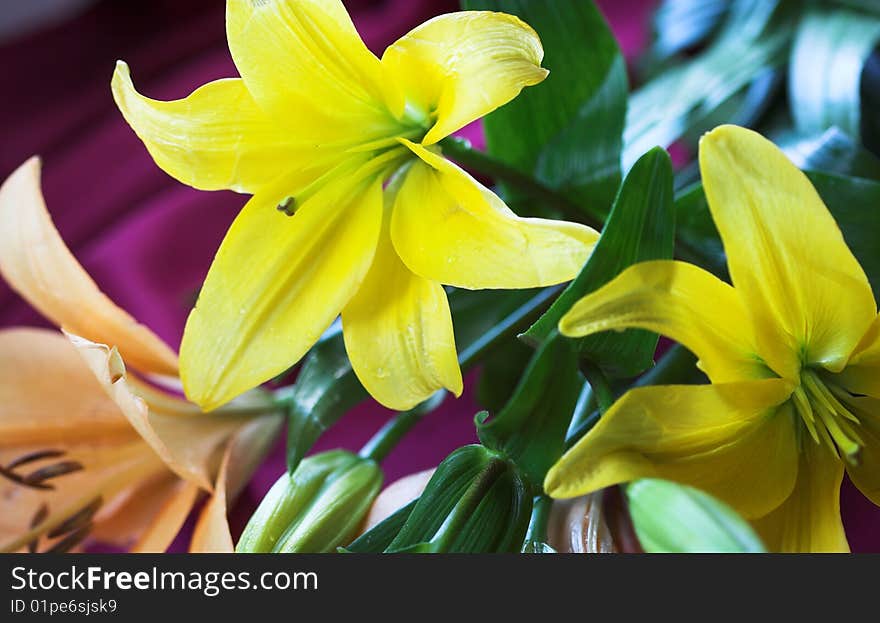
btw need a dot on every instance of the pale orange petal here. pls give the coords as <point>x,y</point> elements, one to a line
<point>48,396</point>
<point>169,520</point>
<point>211,534</point>
<point>187,440</point>
<point>397,495</point>
<point>38,265</point>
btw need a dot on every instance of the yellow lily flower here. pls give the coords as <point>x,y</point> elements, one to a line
<point>315,128</point>
<point>792,351</point>
<point>88,448</point>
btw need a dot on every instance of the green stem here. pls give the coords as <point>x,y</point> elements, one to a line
<point>387,438</point>
<point>600,385</point>
<point>510,326</point>
<point>460,150</point>
<point>586,404</point>
<point>677,365</point>
<point>537,532</point>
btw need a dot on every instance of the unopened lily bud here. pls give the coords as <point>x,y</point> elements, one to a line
<point>674,518</point>
<point>317,508</point>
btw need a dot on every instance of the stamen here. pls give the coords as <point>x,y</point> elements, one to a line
<point>77,520</point>
<point>828,397</point>
<point>74,529</point>
<point>34,456</point>
<point>817,404</point>
<point>51,471</point>
<point>70,541</point>
<point>288,206</point>
<point>802,404</point>
<point>38,478</point>
<point>36,520</point>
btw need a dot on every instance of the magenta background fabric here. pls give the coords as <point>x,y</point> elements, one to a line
<point>148,240</point>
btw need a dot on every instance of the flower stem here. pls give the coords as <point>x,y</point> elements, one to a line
<point>537,532</point>
<point>600,385</point>
<point>387,438</point>
<point>511,325</point>
<point>461,151</point>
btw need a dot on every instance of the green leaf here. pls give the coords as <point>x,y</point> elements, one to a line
<point>475,502</point>
<point>682,100</point>
<point>683,24</point>
<point>500,372</point>
<point>530,430</point>
<point>640,227</point>
<point>871,6</point>
<point>696,230</point>
<point>673,518</point>
<point>324,391</point>
<point>377,539</point>
<point>831,151</point>
<point>567,130</point>
<point>825,75</point>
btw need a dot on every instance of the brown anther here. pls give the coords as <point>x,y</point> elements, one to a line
<point>76,521</point>
<point>34,456</point>
<point>36,520</point>
<point>70,541</point>
<point>55,470</point>
<point>11,475</point>
<point>288,206</point>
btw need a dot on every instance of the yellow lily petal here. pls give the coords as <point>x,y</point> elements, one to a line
<point>276,284</point>
<point>449,228</point>
<point>217,138</point>
<point>186,439</point>
<point>727,439</point>
<point>809,520</point>
<point>38,265</point>
<point>47,395</point>
<point>305,64</point>
<point>862,374</point>
<point>398,331</point>
<point>866,473</point>
<point>459,67</point>
<point>808,298</point>
<point>682,302</point>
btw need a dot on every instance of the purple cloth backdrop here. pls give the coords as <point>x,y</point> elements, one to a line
<point>148,240</point>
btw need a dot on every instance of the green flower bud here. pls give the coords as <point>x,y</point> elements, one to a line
<point>674,518</point>
<point>317,508</point>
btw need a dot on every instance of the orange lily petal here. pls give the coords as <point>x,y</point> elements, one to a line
<point>38,265</point>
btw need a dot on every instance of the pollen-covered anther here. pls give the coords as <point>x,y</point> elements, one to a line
<point>826,418</point>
